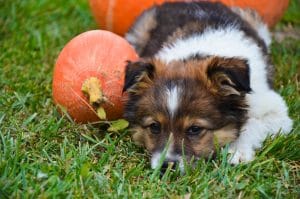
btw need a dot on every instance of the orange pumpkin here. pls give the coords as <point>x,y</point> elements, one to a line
<point>89,76</point>
<point>118,15</point>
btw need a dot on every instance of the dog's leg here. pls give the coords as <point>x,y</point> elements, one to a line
<point>267,116</point>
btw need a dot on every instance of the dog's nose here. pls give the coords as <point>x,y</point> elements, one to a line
<point>166,164</point>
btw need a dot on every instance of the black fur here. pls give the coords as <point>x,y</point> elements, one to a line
<point>215,92</point>
<point>134,70</point>
<point>177,15</point>
<point>239,75</point>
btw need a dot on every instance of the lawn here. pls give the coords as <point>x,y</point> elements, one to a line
<point>43,155</point>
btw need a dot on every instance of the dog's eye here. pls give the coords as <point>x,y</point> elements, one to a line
<point>194,130</point>
<point>155,128</point>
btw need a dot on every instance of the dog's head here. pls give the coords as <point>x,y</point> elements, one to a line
<point>188,106</point>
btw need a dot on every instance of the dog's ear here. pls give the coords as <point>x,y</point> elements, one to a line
<point>138,75</point>
<point>229,76</point>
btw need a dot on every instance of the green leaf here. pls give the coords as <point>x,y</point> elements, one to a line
<point>29,119</point>
<point>118,125</point>
<point>2,115</point>
<point>101,113</point>
<point>241,185</point>
<point>84,171</point>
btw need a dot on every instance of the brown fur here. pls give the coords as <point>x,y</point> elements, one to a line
<point>198,69</point>
<point>225,135</point>
<point>164,23</point>
<point>212,89</point>
<point>249,15</point>
<point>220,137</point>
<point>140,35</point>
<point>204,146</point>
<point>215,88</point>
<point>185,31</point>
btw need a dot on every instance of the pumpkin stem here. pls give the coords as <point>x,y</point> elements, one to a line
<point>92,88</point>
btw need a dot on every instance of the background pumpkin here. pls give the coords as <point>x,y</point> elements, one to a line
<point>118,15</point>
<point>99,57</point>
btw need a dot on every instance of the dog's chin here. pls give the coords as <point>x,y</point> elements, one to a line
<point>157,160</point>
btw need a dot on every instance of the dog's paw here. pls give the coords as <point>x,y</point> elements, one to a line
<point>240,154</point>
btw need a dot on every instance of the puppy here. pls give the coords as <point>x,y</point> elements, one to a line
<point>204,80</point>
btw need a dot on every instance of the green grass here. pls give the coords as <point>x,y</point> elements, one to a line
<point>45,156</point>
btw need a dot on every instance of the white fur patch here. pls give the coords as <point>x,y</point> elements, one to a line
<point>229,43</point>
<point>172,99</point>
<point>267,116</point>
<point>156,157</point>
<point>264,33</point>
<point>155,160</point>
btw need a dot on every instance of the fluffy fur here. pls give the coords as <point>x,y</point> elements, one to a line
<point>204,77</point>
